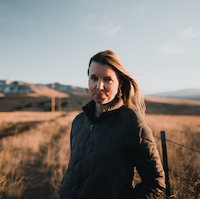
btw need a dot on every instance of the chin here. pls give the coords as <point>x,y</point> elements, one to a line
<point>100,101</point>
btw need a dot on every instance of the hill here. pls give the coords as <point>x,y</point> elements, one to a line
<point>23,88</point>
<point>68,89</point>
<point>21,96</point>
<point>8,87</point>
<point>188,94</point>
<point>167,106</point>
<point>74,103</point>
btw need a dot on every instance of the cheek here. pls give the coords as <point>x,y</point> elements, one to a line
<point>113,89</point>
<point>91,85</point>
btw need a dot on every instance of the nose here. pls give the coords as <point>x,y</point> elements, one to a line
<point>100,85</point>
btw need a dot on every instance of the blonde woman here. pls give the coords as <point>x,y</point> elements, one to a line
<point>110,137</point>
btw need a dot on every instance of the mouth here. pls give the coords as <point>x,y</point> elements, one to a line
<point>100,94</point>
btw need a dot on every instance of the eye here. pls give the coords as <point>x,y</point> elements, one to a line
<point>94,78</point>
<point>107,79</point>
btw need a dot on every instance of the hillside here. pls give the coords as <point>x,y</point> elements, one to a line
<point>21,96</point>
<point>172,106</point>
<point>68,89</point>
<point>30,102</point>
<point>187,94</point>
<point>8,87</point>
<point>75,103</point>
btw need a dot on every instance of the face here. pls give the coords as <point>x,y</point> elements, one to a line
<point>103,83</point>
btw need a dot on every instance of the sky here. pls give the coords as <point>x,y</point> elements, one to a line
<point>46,41</point>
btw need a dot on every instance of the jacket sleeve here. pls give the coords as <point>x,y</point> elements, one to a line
<point>144,155</point>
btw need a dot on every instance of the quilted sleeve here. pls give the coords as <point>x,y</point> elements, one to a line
<point>144,155</point>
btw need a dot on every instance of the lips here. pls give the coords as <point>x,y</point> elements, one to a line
<point>100,94</point>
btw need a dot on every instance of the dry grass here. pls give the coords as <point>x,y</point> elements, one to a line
<point>15,117</point>
<point>33,160</point>
<point>172,101</point>
<point>184,164</point>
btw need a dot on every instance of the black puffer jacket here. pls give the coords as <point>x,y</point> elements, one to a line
<point>105,150</point>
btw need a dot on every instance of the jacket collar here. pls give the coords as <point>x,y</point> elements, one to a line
<point>115,104</point>
<point>89,108</point>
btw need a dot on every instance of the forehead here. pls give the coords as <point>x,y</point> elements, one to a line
<point>99,69</point>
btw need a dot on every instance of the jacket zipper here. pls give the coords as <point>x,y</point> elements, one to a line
<point>84,156</point>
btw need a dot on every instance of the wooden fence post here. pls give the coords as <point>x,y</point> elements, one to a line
<point>53,98</point>
<point>60,100</point>
<point>165,163</point>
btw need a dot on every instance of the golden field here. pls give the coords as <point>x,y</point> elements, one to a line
<point>34,151</point>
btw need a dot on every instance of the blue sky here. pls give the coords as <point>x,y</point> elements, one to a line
<point>52,41</point>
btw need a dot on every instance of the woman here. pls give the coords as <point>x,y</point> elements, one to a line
<point>110,137</point>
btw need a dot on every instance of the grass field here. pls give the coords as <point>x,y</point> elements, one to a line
<point>33,159</point>
<point>34,152</point>
<point>184,164</point>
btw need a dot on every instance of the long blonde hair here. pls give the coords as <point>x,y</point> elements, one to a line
<point>110,58</point>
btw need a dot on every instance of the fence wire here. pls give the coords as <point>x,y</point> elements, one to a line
<point>179,144</point>
<point>197,187</point>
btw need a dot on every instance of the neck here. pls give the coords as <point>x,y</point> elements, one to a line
<point>105,107</point>
<point>99,108</point>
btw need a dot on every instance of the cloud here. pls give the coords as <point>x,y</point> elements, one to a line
<point>172,49</point>
<point>195,34</point>
<point>104,26</point>
<point>190,32</point>
<point>187,32</point>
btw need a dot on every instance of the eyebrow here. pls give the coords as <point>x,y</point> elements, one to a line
<point>93,75</point>
<point>104,77</point>
<point>108,77</point>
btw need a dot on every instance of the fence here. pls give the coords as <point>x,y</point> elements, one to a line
<point>166,169</point>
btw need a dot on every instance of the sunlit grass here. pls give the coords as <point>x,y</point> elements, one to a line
<point>184,164</point>
<point>33,161</point>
